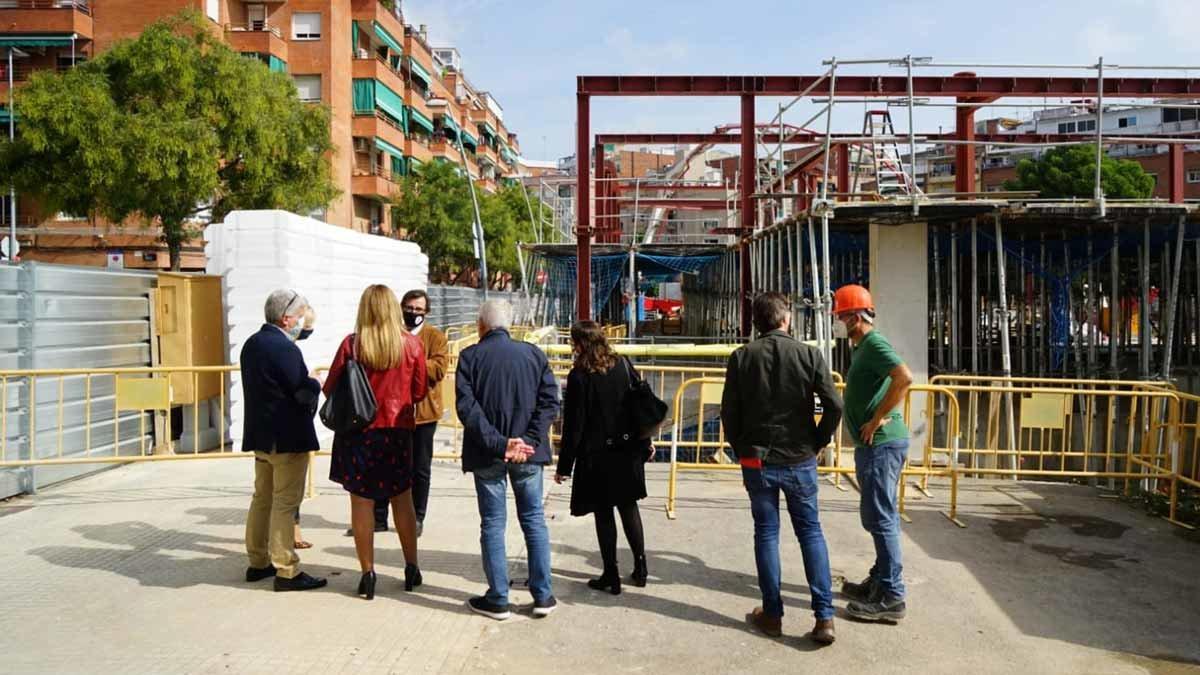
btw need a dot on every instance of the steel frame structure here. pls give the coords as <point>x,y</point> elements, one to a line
<point>968,90</point>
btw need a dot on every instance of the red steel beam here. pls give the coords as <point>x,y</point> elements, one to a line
<point>1175,173</point>
<point>748,170</point>
<point>719,138</point>
<point>677,203</point>
<point>843,168</point>
<point>992,86</point>
<point>583,229</point>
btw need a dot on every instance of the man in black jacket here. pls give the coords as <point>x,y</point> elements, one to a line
<point>507,397</point>
<point>280,399</point>
<point>767,409</point>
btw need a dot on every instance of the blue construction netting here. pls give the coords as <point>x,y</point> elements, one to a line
<point>607,273</point>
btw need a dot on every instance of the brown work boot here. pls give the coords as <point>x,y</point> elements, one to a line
<point>771,626</point>
<point>822,633</point>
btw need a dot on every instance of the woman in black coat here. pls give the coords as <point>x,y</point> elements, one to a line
<point>609,473</point>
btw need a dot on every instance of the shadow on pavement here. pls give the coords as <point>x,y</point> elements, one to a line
<point>1064,564</point>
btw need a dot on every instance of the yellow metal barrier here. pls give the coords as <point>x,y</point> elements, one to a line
<point>710,394</point>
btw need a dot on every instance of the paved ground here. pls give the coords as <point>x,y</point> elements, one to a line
<point>138,570</point>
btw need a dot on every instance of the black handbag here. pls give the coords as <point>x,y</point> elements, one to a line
<point>351,406</point>
<point>644,411</point>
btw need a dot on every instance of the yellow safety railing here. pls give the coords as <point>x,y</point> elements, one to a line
<point>923,467</point>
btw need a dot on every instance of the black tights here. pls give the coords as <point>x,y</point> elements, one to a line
<point>606,532</point>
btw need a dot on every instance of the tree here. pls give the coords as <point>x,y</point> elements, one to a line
<point>1070,171</point>
<point>164,127</point>
<point>434,207</point>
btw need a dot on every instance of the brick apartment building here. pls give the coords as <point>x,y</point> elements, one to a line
<point>396,102</point>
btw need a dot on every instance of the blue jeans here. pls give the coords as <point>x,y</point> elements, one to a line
<point>798,482</point>
<point>878,471</point>
<point>490,492</point>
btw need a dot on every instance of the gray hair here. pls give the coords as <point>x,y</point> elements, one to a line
<point>496,314</point>
<point>284,302</point>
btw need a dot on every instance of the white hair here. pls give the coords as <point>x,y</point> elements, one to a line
<point>496,314</point>
<point>284,302</point>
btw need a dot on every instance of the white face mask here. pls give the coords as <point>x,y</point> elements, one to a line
<point>839,330</point>
<point>294,331</point>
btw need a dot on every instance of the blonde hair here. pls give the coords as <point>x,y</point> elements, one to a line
<point>380,337</point>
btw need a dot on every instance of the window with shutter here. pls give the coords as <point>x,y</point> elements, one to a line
<point>308,87</point>
<point>306,26</point>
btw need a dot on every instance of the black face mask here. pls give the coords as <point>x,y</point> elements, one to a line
<point>304,333</point>
<point>412,320</point>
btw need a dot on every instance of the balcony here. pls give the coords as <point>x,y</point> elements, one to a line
<point>416,102</point>
<point>487,154</point>
<point>371,126</point>
<point>419,149</point>
<point>62,17</point>
<point>257,37</point>
<point>376,68</point>
<point>487,184</point>
<point>373,182</point>
<point>374,10</point>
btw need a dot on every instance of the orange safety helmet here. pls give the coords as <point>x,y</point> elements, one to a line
<point>852,297</point>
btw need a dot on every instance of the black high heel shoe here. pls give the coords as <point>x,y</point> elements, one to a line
<point>609,581</point>
<point>366,585</point>
<point>639,572</point>
<point>412,577</point>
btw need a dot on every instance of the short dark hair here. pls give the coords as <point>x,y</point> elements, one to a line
<point>414,294</point>
<point>770,309</point>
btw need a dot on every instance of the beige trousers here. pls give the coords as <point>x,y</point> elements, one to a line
<point>278,489</point>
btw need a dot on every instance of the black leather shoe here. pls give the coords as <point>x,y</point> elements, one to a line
<point>640,574</point>
<point>260,573</point>
<point>301,582</point>
<point>366,585</point>
<point>609,581</point>
<point>412,577</point>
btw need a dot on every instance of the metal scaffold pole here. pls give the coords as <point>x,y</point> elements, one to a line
<point>1005,353</point>
<point>1172,300</point>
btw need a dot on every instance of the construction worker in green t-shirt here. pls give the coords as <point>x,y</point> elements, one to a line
<point>876,385</point>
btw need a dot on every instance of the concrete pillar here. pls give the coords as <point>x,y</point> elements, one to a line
<point>900,288</point>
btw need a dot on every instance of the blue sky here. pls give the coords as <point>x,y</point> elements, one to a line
<point>527,52</point>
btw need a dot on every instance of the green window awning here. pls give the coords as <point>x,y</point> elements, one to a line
<point>390,149</point>
<point>412,164</point>
<point>470,141</point>
<point>353,39</point>
<point>386,38</point>
<point>417,117</point>
<point>389,101</point>
<point>369,94</point>
<point>398,165</point>
<point>4,115</point>
<point>419,72</point>
<point>487,129</point>
<point>277,65</point>
<point>448,123</point>
<point>36,40</point>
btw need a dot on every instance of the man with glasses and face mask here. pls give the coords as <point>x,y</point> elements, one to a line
<point>280,401</point>
<point>876,385</point>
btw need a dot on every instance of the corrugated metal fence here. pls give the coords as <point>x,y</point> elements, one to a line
<point>456,305</point>
<point>58,317</point>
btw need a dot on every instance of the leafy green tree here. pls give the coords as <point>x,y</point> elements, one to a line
<point>433,206</point>
<point>165,126</point>
<point>1070,171</point>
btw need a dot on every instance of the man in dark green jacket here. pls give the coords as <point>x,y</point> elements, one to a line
<point>768,411</point>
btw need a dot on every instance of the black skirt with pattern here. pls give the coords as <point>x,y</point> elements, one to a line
<point>376,464</point>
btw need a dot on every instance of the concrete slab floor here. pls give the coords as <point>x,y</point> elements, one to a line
<point>139,570</point>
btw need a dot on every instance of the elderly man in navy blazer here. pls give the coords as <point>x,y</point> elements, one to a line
<point>280,399</point>
<point>507,398</point>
